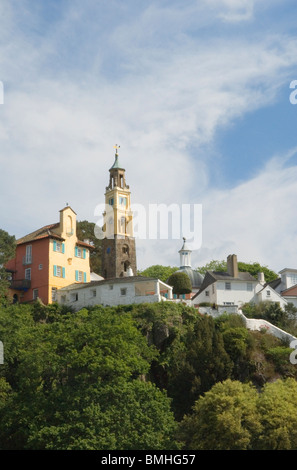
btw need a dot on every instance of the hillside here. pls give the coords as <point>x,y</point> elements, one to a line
<point>87,380</point>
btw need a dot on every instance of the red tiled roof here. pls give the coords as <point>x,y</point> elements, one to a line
<point>43,232</point>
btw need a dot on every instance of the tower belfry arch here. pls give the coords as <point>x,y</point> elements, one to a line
<point>118,246</point>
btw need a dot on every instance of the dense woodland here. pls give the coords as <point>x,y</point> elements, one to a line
<point>152,376</point>
<point>143,377</point>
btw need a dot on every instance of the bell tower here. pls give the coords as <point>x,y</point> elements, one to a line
<point>118,246</point>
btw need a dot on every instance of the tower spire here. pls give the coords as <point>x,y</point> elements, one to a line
<point>118,246</point>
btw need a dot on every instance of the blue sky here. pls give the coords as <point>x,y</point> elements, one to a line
<point>196,93</point>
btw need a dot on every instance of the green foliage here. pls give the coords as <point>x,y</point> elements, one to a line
<point>252,268</point>
<point>158,272</point>
<point>180,282</point>
<point>86,231</point>
<point>124,378</point>
<point>234,416</point>
<point>76,383</point>
<point>270,311</point>
<point>7,252</point>
<point>225,418</point>
<point>255,268</point>
<point>196,360</point>
<point>277,406</point>
<point>214,265</point>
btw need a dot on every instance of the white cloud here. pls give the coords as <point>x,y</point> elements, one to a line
<point>161,96</point>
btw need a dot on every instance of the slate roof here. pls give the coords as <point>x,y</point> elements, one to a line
<point>275,283</point>
<point>213,276</point>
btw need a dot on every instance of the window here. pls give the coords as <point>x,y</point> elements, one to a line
<point>110,201</point>
<point>59,271</point>
<point>268,293</point>
<point>40,267</point>
<point>124,291</point>
<point>93,293</point>
<point>227,285</point>
<point>58,247</point>
<point>213,289</point>
<point>110,287</point>
<point>123,201</point>
<point>80,253</point>
<point>80,276</point>
<point>74,297</point>
<point>125,250</point>
<point>35,294</point>
<point>249,286</point>
<point>28,274</point>
<point>122,225</point>
<point>207,293</point>
<point>54,294</point>
<point>293,279</point>
<point>28,258</point>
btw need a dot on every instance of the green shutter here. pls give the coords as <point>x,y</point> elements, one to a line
<point>76,275</point>
<point>84,253</point>
<point>55,245</point>
<point>63,247</point>
<point>63,272</point>
<point>76,251</point>
<point>55,270</point>
<point>85,277</point>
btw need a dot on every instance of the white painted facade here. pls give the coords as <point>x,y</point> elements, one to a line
<point>288,279</point>
<point>113,292</point>
<point>233,292</point>
<point>236,292</point>
<point>269,294</point>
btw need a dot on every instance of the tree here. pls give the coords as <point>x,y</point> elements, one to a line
<point>77,383</point>
<point>277,406</point>
<point>7,252</point>
<point>225,418</point>
<point>159,272</point>
<point>214,265</point>
<point>85,231</point>
<point>270,311</point>
<point>252,268</point>
<point>180,282</point>
<point>195,361</point>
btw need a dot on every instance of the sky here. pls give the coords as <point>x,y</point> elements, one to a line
<point>195,92</point>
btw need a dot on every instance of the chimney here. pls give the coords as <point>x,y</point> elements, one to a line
<point>261,278</point>
<point>232,267</point>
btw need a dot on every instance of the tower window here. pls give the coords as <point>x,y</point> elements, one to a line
<point>125,250</point>
<point>123,201</point>
<point>110,201</point>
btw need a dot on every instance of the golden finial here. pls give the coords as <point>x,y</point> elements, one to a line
<point>116,146</point>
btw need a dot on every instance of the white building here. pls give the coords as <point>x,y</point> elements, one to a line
<point>286,285</point>
<point>235,288</point>
<point>113,292</point>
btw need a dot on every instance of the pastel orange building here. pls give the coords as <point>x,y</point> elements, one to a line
<point>47,259</point>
